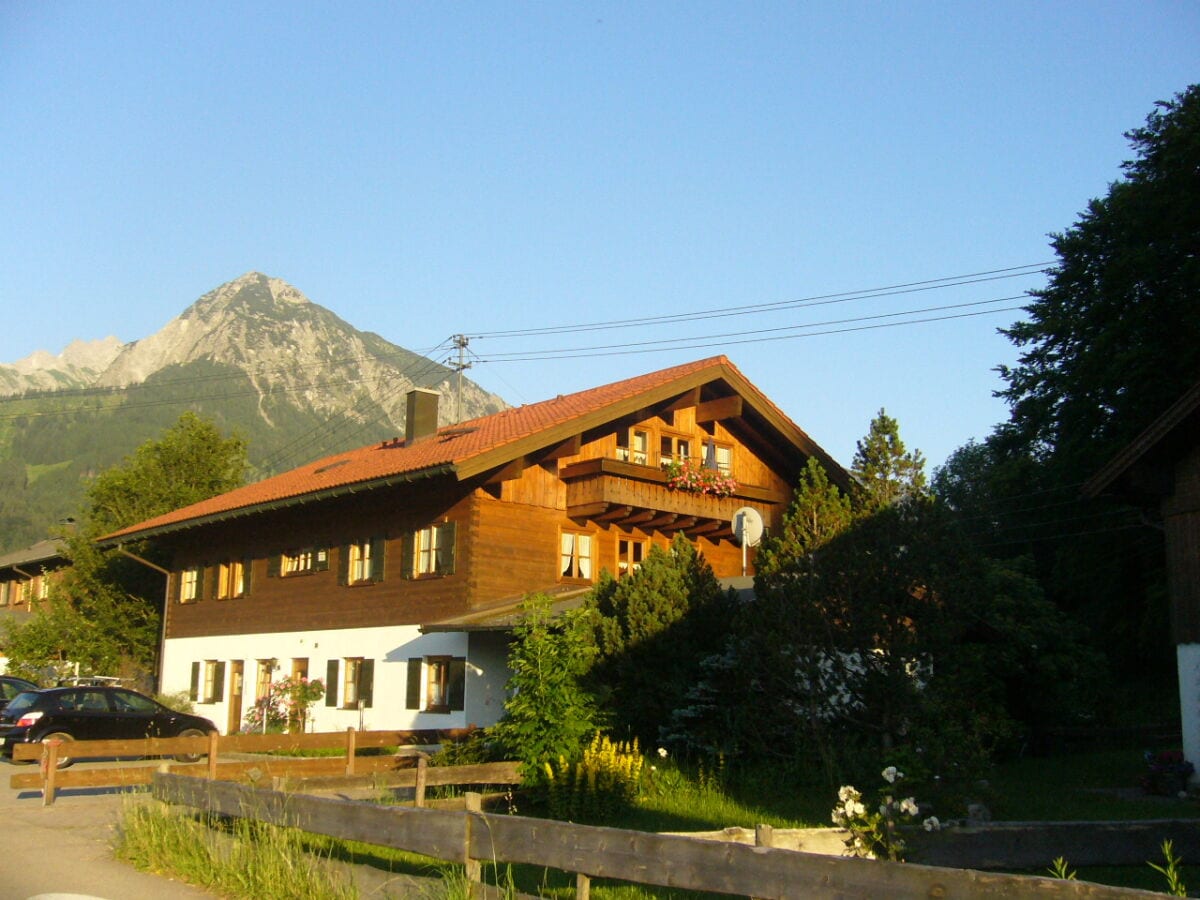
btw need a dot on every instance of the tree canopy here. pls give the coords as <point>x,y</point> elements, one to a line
<point>104,614</point>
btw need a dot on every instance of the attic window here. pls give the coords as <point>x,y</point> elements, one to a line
<point>333,465</point>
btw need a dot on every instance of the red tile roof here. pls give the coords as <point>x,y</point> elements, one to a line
<point>467,447</point>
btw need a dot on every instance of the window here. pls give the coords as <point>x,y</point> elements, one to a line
<point>42,586</point>
<point>264,672</point>
<point>357,682</point>
<point>630,554</point>
<point>231,580</point>
<point>361,562</point>
<point>718,456</point>
<point>299,561</point>
<point>634,446</point>
<point>433,551</point>
<point>436,684</point>
<point>575,557</point>
<point>214,681</point>
<point>190,583</point>
<point>673,449</point>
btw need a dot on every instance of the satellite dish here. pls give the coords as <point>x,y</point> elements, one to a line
<point>748,526</point>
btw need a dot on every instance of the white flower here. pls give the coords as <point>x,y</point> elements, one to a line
<point>847,792</point>
<point>890,774</point>
<point>931,824</point>
<point>908,806</point>
<point>662,752</point>
<point>855,808</point>
<point>654,768</point>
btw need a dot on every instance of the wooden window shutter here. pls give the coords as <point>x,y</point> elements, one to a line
<point>175,586</point>
<point>446,548</point>
<point>274,565</point>
<point>343,570</point>
<point>194,689</point>
<point>219,683</point>
<point>246,576</point>
<point>366,682</point>
<point>211,577</point>
<point>200,580</point>
<point>408,562</point>
<point>412,690</point>
<point>457,689</point>
<point>320,559</point>
<point>331,683</point>
<point>378,549</point>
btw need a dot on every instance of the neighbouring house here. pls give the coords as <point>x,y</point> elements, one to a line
<point>25,579</point>
<point>394,573</point>
<point>1160,472</point>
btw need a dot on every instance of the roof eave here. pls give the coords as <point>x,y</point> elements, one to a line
<point>119,538</point>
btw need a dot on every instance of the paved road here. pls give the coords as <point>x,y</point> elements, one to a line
<point>67,848</point>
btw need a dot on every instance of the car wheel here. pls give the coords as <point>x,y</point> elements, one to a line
<point>190,757</point>
<point>63,759</point>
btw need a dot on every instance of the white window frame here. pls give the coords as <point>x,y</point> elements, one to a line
<point>361,566</point>
<point>189,585</point>
<point>575,561</point>
<point>231,580</point>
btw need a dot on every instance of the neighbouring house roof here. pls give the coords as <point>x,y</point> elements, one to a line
<point>41,552</point>
<point>1136,471</point>
<point>478,446</point>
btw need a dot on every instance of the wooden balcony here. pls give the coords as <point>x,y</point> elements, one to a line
<point>629,495</point>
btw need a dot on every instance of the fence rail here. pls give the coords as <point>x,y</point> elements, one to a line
<point>216,749</point>
<point>473,838</point>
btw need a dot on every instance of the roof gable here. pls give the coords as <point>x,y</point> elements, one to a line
<point>473,448</point>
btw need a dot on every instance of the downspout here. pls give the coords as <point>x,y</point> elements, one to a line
<point>162,636</point>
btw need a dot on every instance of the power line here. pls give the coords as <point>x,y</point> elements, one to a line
<point>815,300</point>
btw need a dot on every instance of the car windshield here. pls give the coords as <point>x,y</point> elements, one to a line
<point>21,702</point>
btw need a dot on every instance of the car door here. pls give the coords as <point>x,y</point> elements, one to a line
<point>139,716</point>
<point>95,718</point>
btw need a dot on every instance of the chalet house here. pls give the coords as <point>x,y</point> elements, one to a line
<point>25,579</point>
<point>393,572</point>
<point>1160,472</point>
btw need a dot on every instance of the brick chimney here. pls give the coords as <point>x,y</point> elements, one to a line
<point>421,416</point>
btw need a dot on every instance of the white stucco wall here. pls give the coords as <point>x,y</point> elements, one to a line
<point>1187,657</point>
<point>389,647</point>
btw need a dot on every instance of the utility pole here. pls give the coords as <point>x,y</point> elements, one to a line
<point>460,341</point>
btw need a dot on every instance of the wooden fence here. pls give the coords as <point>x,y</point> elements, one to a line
<point>473,838</point>
<point>225,759</point>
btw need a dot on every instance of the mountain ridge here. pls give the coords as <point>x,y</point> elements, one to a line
<point>255,355</point>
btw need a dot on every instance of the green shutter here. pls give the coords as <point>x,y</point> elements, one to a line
<point>408,562</point>
<point>366,682</point>
<point>194,689</point>
<point>219,683</point>
<point>378,552</point>
<point>200,579</point>
<point>446,548</point>
<point>320,559</point>
<point>331,683</point>
<point>457,688</point>
<point>274,565</point>
<point>344,565</point>
<point>412,691</point>
<point>246,563</point>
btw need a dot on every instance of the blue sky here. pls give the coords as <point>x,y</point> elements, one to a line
<point>425,170</point>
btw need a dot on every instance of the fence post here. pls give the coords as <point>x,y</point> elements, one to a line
<point>49,770</point>
<point>351,749</point>
<point>419,788</point>
<point>583,887</point>
<point>473,868</point>
<point>764,836</point>
<point>214,740</point>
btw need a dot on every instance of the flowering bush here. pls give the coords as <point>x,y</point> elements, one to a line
<point>696,479</point>
<point>875,833</point>
<point>605,780</point>
<point>286,704</point>
<point>1167,773</point>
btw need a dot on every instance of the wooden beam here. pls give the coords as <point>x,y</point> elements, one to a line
<point>570,447</point>
<point>509,472</point>
<point>616,512</point>
<point>682,523</point>
<point>705,527</point>
<point>587,510</point>
<point>684,401</point>
<point>715,410</point>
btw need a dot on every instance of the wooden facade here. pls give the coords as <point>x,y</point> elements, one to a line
<point>451,529</point>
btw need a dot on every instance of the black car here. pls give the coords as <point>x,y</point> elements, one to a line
<point>11,685</point>
<point>92,714</point>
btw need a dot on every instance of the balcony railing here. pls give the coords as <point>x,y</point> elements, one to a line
<point>631,495</point>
